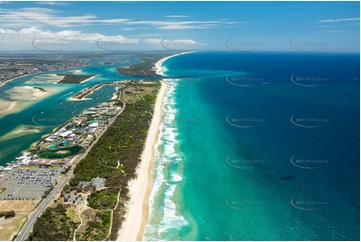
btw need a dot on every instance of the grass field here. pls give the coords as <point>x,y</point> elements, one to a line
<point>73,214</point>
<point>11,226</point>
<point>21,206</point>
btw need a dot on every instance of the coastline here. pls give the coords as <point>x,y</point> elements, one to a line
<point>37,73</point>
<point>137,208</point>
<point>9,80</point>
<point>22,97</point>
<point>160,69</point>
<point>140,188</point>
<point>89,78</point>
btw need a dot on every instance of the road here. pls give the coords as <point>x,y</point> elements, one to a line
<point>33,216</point>
<point>28,226</point>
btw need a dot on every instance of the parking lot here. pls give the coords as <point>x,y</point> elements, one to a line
<point>27,183</point>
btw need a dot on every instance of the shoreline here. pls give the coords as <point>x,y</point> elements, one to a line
<point>22,97</point>
<point>159,69</point>
<point>7,81</point>
<point>37,73</point>
<point>137,207</point>
<point>140,188</point>
<point>89,79</point>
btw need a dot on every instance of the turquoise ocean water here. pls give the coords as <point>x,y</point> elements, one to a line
<point>43,116</point>
<point>258,146</point>
<point>253,146</point>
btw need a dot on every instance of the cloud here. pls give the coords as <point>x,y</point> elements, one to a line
<point>127,29</point>
<point>53,3</point>
<point>39,17</point>
<point>325,26</point>
<point>339,20</point>
<point>180,25</point>
<point>153,41</point>
<point>334,31</point>
<point>33,33</point>
<point>178,44</point>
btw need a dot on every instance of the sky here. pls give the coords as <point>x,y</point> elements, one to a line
<point>241,26</point>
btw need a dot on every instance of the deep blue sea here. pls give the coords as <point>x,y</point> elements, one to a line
<point>253,146</point>
<point>258,146</point>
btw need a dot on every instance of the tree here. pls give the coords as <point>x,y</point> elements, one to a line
<point>10,214</point>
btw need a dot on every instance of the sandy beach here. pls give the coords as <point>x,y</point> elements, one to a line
<point>140,188</point>
<point>159,69</point>
<point>23,96</point>
<point>44,79</point>
<point>89,78</point>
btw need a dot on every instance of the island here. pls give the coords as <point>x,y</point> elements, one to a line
<point>74,79</point>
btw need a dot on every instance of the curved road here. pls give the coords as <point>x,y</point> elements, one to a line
<point>28,226</point>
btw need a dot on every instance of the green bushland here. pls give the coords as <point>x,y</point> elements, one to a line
<point>53,225</point>
<point>145,68</point>
<point>115,157</point>
<point>96,229</point>
<point>73,79</point>
<point>104,199</point>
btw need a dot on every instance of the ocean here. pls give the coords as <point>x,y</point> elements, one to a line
<point>258,146</point>
<point>253,146</point>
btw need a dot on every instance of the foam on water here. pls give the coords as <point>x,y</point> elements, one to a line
<point>219,89</point>
<point>176,178</point>
<point>161,199</point>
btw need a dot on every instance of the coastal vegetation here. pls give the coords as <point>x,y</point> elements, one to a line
<point>115,157</point>
<point>143,69</point>
<point>73,79</point>
<point>96,225</point>
<point>54,224</point>
<point>41,89</point>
